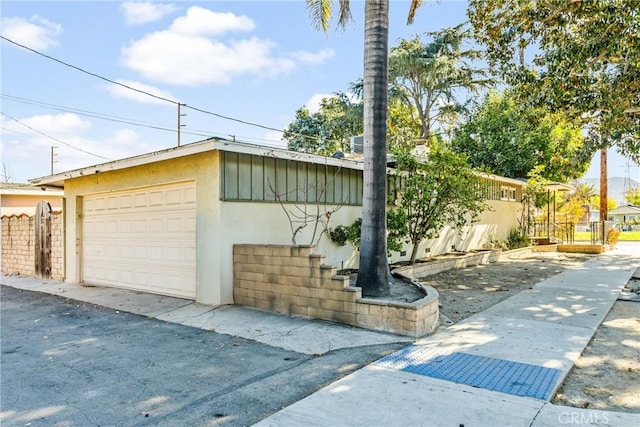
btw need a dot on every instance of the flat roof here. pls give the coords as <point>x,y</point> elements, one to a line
<point>57,180</point>
<point>220,144</point>
<point>21,189</point>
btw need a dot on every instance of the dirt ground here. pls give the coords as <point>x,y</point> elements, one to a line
<point>606,376</point>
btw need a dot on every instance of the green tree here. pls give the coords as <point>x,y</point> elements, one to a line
<point>594,202</point>
<point>306,133</point>
<point>374,273</point>
<point>632,196</point>
<point>587,63</point>
<point>328,130</point>
<point>504,139</point>
<point>437,191</point>
<point>430,77</point>
<point>583,192</point>
<point>343,118</point>
<point>402,130</point>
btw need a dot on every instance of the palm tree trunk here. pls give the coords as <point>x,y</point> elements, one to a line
<point>373,273</point>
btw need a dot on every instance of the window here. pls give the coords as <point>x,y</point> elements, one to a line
<point>507,193</point>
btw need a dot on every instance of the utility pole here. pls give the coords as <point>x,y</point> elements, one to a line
<point>52,157</point>
<point>180,125</point>
<point>604,194</point>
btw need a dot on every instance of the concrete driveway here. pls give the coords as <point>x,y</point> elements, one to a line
<point>72,363</point>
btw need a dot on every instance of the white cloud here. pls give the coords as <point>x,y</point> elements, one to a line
<point>36,33</point>
<point>58,125</point>
<point>314,58</point>
<point>122,92</point>
<point>272,138</point>
<point>125,136</point>
<point>136,13</point>
<point>313,104</point>
<point>28,153</point>
<point>169,57</point>
<point>120,144</point>
<point>191,52</point>
<point>205,22</point>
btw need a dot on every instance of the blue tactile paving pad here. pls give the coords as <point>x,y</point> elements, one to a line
<point>519,379</point>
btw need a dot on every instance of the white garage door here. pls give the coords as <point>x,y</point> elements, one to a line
<point>143,239</point>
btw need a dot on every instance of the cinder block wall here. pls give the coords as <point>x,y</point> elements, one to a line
<point>18,251</point>
<point>414,319</point>
<point>18,245</point>
<point>292,280</point>
<point>57,248</point>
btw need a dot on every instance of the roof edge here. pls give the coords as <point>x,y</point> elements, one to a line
<point>57,180</point>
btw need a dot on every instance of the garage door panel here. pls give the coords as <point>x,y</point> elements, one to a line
<point>142,239</point>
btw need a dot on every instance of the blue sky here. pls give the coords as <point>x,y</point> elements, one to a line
<point>257,61</point>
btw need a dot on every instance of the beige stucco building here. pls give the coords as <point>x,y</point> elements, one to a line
<point>22,199</point>
<point>166,222</point>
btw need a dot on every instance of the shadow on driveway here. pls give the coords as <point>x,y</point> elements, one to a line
<point>66,362</point>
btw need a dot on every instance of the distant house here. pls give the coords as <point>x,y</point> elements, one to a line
<point>22,199</point>
<point>625,215</point>
<point>166,222</point>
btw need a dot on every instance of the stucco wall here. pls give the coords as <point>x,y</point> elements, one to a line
<point>18,204</point>
<point>220,224</point>
<point>18,250</point>
<point>202,168</point>
<point>266,223</point>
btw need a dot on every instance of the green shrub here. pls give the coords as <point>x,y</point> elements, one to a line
<point>517,239</point>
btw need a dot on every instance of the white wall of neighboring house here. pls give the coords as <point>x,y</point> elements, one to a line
<point>23,201</point>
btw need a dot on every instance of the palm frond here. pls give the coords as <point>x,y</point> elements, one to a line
<point>320,11</point>
<point>415,4</point>
<point>345,13</point>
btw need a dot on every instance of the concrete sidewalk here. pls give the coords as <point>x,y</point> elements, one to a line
<point>295,333</point>
<point>500,367</point>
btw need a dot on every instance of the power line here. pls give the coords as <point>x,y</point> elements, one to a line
<point>106,117</point>
<point>71,109</point>
<point>232,119</point>
<point>222,116</point>
<point>88,72</point>
<point>14,131</point>
<point>134,89</point>
<point>53,138</point>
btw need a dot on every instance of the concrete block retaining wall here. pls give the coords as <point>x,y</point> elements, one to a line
<point>449,262</point>
<point>293,280</point>
<point>18,250</point>
<point>583,249</point>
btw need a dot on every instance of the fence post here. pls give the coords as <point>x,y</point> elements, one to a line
<point>42,241</point>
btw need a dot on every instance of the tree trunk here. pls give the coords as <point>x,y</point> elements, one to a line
<point>604,193</point>
<point>414,252</point>
<point>373,273</point>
